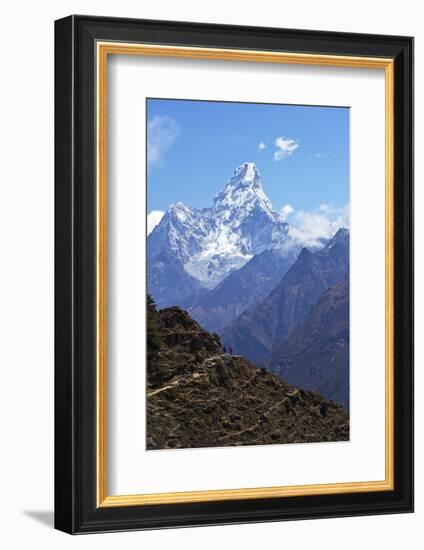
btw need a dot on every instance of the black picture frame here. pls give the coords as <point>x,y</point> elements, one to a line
<point>76,510</point>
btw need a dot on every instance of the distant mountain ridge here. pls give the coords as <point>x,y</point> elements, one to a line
<point>256,332</point>
<point>316,355</point>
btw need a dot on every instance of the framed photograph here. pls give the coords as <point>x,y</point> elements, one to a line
<point>234,274</point>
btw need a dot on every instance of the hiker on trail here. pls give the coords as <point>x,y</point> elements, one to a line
<point>224,349</point>
<point>324,409</point>
<point>231,350</point>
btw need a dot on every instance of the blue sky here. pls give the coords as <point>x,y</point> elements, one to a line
<point>302,152</point>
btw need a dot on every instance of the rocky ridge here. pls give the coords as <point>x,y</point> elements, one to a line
<point>199,396</point>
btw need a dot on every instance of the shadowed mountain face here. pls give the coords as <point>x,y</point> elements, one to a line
<point>242,288</point>
<point>316,355</point>
<point>257,330</point>
<point>198,396</point>
<point>170,282</point>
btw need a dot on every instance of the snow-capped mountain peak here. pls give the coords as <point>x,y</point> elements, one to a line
<point>247,174</point>
<point>179,211</point>
<point>242,194</point>
<point>212,242</point>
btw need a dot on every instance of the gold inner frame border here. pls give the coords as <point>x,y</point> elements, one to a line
<point>103,50</point>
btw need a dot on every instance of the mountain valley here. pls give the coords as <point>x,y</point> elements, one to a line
<point>274,295</point>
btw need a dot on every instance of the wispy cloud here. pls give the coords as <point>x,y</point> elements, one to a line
<point>261,146</point>
<point>161,134</point>
<point>317,156</point>
<point>285,148</point>
<point>286,210</point>
<point>332,211</point>
<point>153,219</point>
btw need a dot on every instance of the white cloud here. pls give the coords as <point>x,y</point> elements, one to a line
<point>311,227</point>
<point>261,146</point>
<point>286,210</point>
<point>161,134</point>
<point>285,148</point>
<point>344,211</point>
<point>153,219</point>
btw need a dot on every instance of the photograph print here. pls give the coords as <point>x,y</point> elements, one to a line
<point>247,274</point>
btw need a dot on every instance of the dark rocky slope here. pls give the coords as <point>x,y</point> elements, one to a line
<point>316,355</point>
<point>197,396</point>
